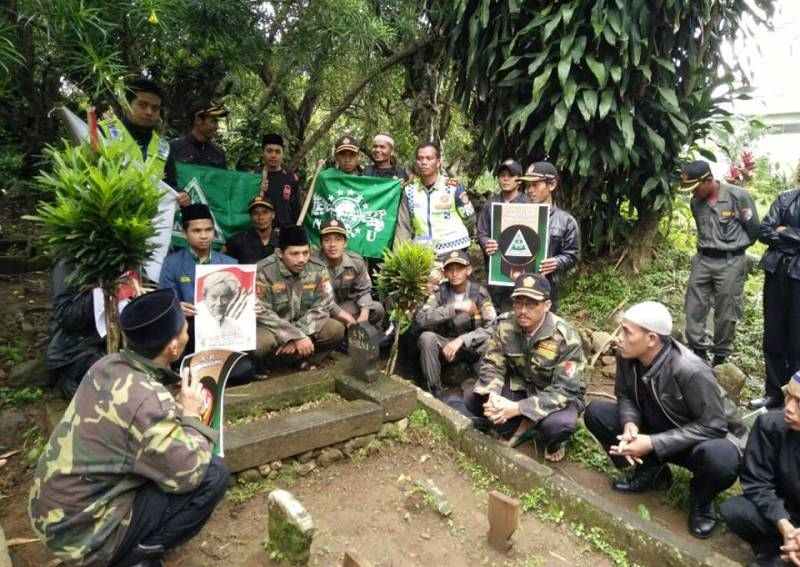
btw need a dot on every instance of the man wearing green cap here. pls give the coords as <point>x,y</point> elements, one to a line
<point>352,286</point>
<point>128,472</point>
<point>531,379</point>
<point>455,321</point>
<point>767,515</point>
<point>727,225</point>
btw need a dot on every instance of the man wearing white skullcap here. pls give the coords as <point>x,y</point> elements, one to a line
<point>384,162</point>
<point>669,410</point>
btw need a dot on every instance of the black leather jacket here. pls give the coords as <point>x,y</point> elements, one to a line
<point>689,396</point>
<point>785,211</point>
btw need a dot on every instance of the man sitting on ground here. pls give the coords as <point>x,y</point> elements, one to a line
<point>128,472</point>
<point>352,286</point>
<point>257,242</point>
<point>455,321</point>
<point>531,380</point>
<point>669,409</point>
<point>295,300</point>
<point>767,516</point>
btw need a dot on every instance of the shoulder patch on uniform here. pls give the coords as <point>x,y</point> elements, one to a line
<point>452,182</point>
<point>163,148</point>
<point>278,287</point>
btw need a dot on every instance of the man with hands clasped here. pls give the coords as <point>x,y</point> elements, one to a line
<point>669,409</point>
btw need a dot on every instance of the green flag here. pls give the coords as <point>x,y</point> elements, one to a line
<point>367,206</point>
<point>227,193</point>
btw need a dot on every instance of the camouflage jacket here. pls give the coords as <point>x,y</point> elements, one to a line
<point>439,314</point>
<point>350,281</point>
<point>294,306</point>
<point>548,366</point>
<point>122,430</point>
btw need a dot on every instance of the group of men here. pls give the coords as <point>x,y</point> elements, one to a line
<point>129,472</point>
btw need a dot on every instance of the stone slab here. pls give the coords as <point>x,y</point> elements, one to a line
<point>277,393</point>
<point>397,397</point>
<point>454,423</point>
<point>252,444</point>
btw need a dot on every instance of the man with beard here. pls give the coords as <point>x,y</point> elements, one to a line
<point>384,161</point>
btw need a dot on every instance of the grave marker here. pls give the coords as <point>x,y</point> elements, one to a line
<point>364,349</point>
<point>503,520</point>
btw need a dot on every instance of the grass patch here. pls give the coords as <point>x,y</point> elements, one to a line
<point>241,493</point>
<point>15,397</point>
<point>584,449</point>
<point>13,352</point>
<point>420,421</point>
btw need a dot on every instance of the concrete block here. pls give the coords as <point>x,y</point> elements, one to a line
<point>252,444</point>
<point>397,397</point>
<point>277,393</point>
<point>290,527</point>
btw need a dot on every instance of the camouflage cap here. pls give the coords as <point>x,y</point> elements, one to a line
<point>534,286</point>
<point>207,108</point>
<point>333,226</point>
<point>260,201</point>
<point>346,144</point>
<point>456,257</point>
<point>540,171</point>
<point>693,174</point>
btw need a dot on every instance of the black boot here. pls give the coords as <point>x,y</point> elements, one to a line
<point>642,479</point>
<point>702,520</point>
<point>719,359</point>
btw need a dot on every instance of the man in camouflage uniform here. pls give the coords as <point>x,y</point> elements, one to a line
<point>455,321</point>
<point>352,286</point>
<point>727,225</point>
<point>295,300</point>
<point>531,379</point>
<point>128,472</point>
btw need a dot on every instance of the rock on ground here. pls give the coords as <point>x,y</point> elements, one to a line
<point>290,527</point>
<point>731,379</point>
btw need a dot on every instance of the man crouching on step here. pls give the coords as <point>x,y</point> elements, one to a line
<point>530,383</point>
<point>669,409</point>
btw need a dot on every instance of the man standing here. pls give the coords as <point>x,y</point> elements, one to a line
<point>434,210</point>
<point>508,174</point>
<point>352,286</point>
<point>257,242</point>
<point>384,162</point>
<point>278,186</point>
<point>178,271</point>
<point>531,380</point>
<point>198,145</point>
<point>455,321</point>
<point>781,262</point>
<point>346,154</point>
<point>727,224</point>
<point>669,409</point>
<point>563,246</point>
<point>295,300</point>
<point>137,130</point>
<point>128,473</point>
<point>767,515</point>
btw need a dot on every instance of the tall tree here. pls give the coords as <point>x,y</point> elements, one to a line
<point>612,91</point>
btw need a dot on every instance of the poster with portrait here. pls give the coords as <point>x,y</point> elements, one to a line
<point>225,304</point>
<point>522,231</point>
<point>212,368</point>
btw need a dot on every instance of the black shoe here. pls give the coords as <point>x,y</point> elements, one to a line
<point>766,402</point>
<point>702,353</point>
<point>643,479</point>
<point>702,520</point>
<point>719,359</point>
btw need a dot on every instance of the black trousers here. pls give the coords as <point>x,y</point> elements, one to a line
<point>781,329</point>
<point>554,428</point>
<point>162,521</point>
<point>715,462</point>
<point>744,519</point>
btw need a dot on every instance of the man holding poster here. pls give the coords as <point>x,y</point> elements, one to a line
<point>521,233</point>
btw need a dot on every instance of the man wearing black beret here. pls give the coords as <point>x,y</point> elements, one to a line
<point>295,300</point>
<point>279,186</point>
<point>129,472</point>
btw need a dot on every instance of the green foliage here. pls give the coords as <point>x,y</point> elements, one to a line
<point>13,353</point>
<point>611,91</point>
<point>583,448</point>
<point>403,280</point>
<point>598,539</point>
<point>103,212</point>
<point>14,397</point>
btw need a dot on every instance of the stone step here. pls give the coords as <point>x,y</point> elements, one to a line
<point>252,444</point>
<point>277,393</point>
<point>397,397</point>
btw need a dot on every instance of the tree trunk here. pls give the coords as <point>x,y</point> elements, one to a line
<point>643,239</point>
<point>393,353</point>
<point>113,335</point>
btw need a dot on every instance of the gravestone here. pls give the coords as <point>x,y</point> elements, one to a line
<point>503,520</point>
<point>290,527</point>
<point>364,349</point>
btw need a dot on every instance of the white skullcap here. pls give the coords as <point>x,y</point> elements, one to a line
<point>650,315</point>
<point>383,138</point>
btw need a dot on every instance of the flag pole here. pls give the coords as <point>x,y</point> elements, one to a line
<point>310,194</point>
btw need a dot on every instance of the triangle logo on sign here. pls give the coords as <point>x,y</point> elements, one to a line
<point>518,247</point>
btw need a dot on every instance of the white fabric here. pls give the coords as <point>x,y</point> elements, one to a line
<point>650,315</point>
<point>383,138</point>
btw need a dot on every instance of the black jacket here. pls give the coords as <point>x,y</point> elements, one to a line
<point>785,211</point>
<point>689,396</point>
<point>771,471</point>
